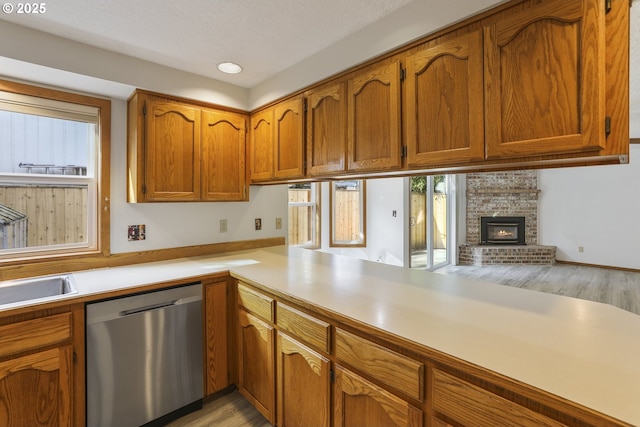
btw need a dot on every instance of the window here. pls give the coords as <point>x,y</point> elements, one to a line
<point>347,206</point>
<point>53,173</point>
<point>304,215</point>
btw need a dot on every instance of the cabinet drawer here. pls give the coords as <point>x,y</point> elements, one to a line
<point>256,302</point>
<point>313,331</point>
<point>394,369</point>
<point>471,405</point>
<point>35,333</point>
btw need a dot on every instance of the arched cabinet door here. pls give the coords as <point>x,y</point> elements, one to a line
<point>326,124</point>
<point>223,156</point>
<point>261,146</point>
<point>172,151</point>
<point>256,380</point>
<point>303,385</point>
<point>289,138</point>
<point>358,402</point>
<point>444,103</point>
<point>374,140</point>
<point>544,76</point>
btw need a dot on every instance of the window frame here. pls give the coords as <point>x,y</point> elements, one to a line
<point>363,217</point>
<point>101,248</point>
<point>316,207</point>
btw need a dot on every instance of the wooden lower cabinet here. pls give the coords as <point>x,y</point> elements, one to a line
<point>358,402</point>
<point>217,339</point>
<point>470,405</point>
<point>36,390</point>
<point>303,385</point>
<point>256,376</point>
<point>39,379</point>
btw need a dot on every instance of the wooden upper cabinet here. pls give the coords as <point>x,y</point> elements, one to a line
<point>327,129</point>
<point>172,167</point>
<point>182,151</point>
<point>374,140</point>
<point>289,138</point>
<point>261,147</point>
<point>223,156</point>
<point>444,103</point>
<point>545,80</point>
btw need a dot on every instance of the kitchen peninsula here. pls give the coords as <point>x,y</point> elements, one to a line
<point>548,359</point>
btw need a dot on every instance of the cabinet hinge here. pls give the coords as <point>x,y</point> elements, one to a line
<point>332,376</point>
<point>144,189</point>
<point>403,151</point>
<point>304,105</point>
<point>75,357</point>
<point>607,125</point>
<point>403,74</point>
<point>144,108</point>
<point>607,6</point>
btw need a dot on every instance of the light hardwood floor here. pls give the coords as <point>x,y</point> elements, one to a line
<point>231,410</point>
<point>615,287</point>
<point>619,288</point>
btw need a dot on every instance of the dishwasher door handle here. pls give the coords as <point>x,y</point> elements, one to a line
<point>157,306</point>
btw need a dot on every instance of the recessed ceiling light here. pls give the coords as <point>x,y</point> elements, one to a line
<point>229,67</point>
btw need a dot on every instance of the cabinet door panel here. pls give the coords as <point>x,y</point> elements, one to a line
<point>173,152</point>
<point>303,385</point>
<point>217,340</point>
<point>223,156</point>
<point>289,135</point>
<point>36,390</point>
<point>544,80</point>
<point>359,402</point>
<point>256,349</point>
<point>374,119</point>
<point>327,130</point>
<point>261,155</point>
<point>444,103</point>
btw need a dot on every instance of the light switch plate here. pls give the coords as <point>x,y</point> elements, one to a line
<point>223,225</point>
<point>278,223</point>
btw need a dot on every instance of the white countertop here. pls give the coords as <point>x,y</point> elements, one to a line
<point>583,351</point>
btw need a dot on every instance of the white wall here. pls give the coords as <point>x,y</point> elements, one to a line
<point>386,234</point>
<point>595,207</point>
<point>171,225</point>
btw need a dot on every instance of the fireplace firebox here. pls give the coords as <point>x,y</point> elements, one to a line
<point>502,230</point>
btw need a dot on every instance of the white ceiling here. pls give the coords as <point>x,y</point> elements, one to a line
<point>266,37</point>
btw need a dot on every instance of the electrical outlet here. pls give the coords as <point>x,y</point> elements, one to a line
<point>136,232</point>
<point>278,223</point>
<point>223,225</point>
<point>580,248</point>
<point>258,222</point>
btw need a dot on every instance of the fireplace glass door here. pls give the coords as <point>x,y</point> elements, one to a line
<point>502,230</point>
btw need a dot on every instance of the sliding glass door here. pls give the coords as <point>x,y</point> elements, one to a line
<point>430,220</point>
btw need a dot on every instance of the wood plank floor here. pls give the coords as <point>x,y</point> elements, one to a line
<point>619,288</point>
<point>230,410</point>
<point>615,287</point>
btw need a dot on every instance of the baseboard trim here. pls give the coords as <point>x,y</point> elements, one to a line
<point>610,267</point>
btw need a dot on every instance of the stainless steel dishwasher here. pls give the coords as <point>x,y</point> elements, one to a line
<point>144,357</point>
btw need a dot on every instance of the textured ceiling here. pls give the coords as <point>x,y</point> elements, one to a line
<point>265,37</point>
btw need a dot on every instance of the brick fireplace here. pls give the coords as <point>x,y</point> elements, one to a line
<point>503,194</point>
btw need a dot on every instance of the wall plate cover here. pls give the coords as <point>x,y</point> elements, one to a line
<point>137,232</point>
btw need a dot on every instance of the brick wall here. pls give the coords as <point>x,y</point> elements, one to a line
<point>510,193</point>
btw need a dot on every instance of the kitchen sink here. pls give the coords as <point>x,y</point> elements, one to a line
<point>36,289</point>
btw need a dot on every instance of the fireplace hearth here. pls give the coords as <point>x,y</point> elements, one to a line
<point>502,230</point>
